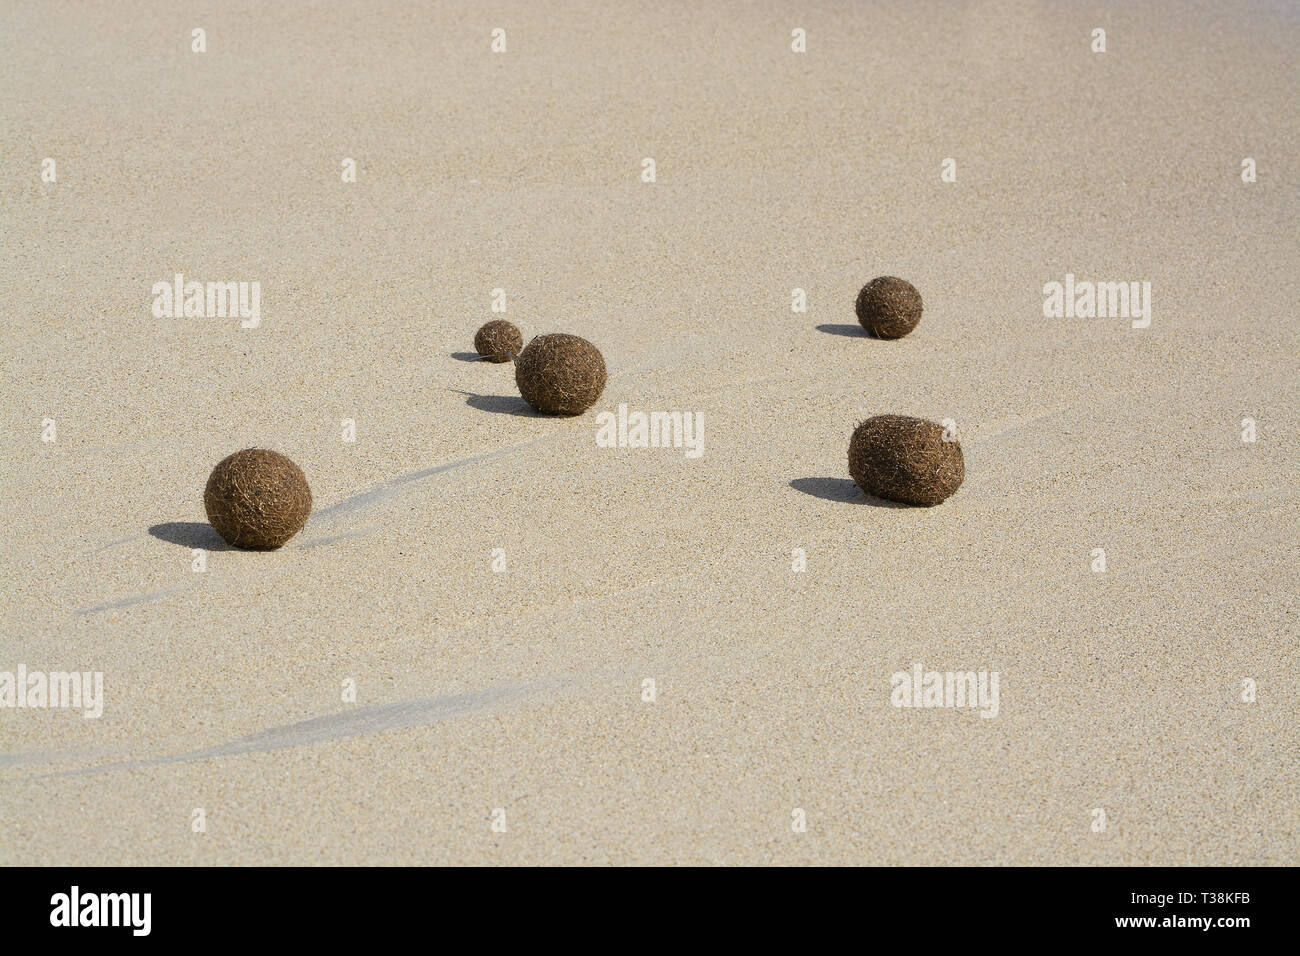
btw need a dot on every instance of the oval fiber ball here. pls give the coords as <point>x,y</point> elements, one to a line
<point>889,307</point>
<point>906,460</point>
<point>560,374</point>
<point>257,499</point>
<point>498,341</point>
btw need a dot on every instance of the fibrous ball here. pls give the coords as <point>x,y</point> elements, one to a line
<point>905,459</point>
<point>889,307</point>
<point>560,374</point>
<point>498,341</point>
<point>257,499</point>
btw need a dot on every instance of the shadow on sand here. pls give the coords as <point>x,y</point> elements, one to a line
<point>190,534</point>
<point>503,405</point>
<point>840,489</point>
<point>852,331</point>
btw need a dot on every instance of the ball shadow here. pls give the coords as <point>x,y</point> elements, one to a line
<point>190,534</point>
<point>503,405</point>
<point>841,489</point>
<point>852,331</point>
<point>467,356</point>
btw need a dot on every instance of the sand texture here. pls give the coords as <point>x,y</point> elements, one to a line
<point>498,586</point>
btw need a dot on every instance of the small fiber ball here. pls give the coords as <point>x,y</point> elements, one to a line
<point>257,499</point>
<point>498,341</point>
<point>888,307</point>
<point>905,459</point>
<point>560,374</point>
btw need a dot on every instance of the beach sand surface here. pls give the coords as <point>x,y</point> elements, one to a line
<point>518,695</point>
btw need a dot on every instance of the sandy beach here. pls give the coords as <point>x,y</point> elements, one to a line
<point>568,653</point>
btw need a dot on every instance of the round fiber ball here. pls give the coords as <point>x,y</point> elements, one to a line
<point>560,374</point>
<point>889,307</point>
<point>498,341</point>
<point>905,459</point>
<point>257,499</point>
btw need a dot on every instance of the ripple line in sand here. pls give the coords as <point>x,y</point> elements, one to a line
<point>329,728</point>
<point>134,599</point>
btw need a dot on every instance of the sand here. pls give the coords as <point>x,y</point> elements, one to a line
<point>522,690</point>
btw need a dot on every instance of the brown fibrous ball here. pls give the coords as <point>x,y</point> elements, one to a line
<point>257,499</point>
<point>905,459</point>
<point>560,374</point>
<point>889,307</point>
<point>498,341</point>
